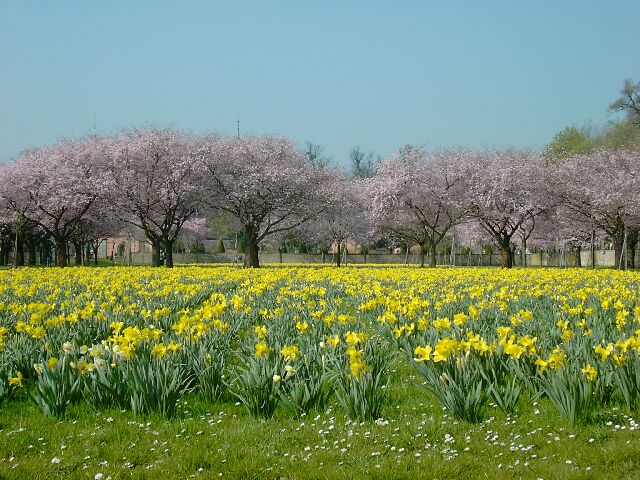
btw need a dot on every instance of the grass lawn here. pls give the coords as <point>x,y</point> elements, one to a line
<point>416,439</point>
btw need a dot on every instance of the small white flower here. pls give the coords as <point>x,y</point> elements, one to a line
<point>55,460</point>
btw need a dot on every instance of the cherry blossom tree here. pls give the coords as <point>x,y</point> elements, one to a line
<point>417,197</point>
<point>343,217</point>
<point>53,188</point>
<point>603,189</point>
<point>564,229</point>
<point>507,190</point>
<point>94,229</point>
<point>195,231</point>
<point>161,183</point>
<point>263,182</point>
<point>152,185</point>
<point>472,236</point>
<point>5,225</point>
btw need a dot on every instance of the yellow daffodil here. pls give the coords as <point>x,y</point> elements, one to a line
<point>289,352</point>
<point>262,350</point>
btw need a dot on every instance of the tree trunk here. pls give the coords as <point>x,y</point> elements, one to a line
<point>578,260</point>
<point>251,249</point>
<point>506,255</point>
<point>452,255</point>
<point>168,245</point>
<point>3,253</point>
<point>280,254</point>
<point>593,249</point>
<point>155,253</point>
<point>618,246</point>
<point>339,255</point>
<point>632,242</point>
<point>14,260</point>
<point>6,252</point>
<point>346,252</point>
<point>31,251</point>
<point>77,247</point>
<point>432,255</point>
<point>19,250</point>
<point>423,251</point>
<point>45,254</point>
<point>625,259</point>
<point>524,252</point>
<point>61,252</point>
<point>96,246</point>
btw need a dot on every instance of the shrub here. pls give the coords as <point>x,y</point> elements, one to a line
<point>57,386</point>
<point>570,392</point>
<point>363,396</point>
<point>156,384</point>
<point>257,387</point>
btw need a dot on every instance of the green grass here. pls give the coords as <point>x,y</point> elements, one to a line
<point>416,440</point>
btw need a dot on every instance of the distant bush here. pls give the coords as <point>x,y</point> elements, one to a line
<point>197,248</point>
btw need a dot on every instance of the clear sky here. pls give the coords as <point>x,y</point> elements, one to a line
<point>378,74</point>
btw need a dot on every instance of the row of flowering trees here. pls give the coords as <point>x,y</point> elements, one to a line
<point>509,197</point>
<point>160,181</point>
<point>155,181</point>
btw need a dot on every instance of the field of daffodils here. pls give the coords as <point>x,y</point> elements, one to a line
<point>299,339</point>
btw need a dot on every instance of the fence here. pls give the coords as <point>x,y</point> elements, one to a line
<point>603,258</point>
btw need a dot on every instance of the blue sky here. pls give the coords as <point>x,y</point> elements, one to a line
<point>369,73</point>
